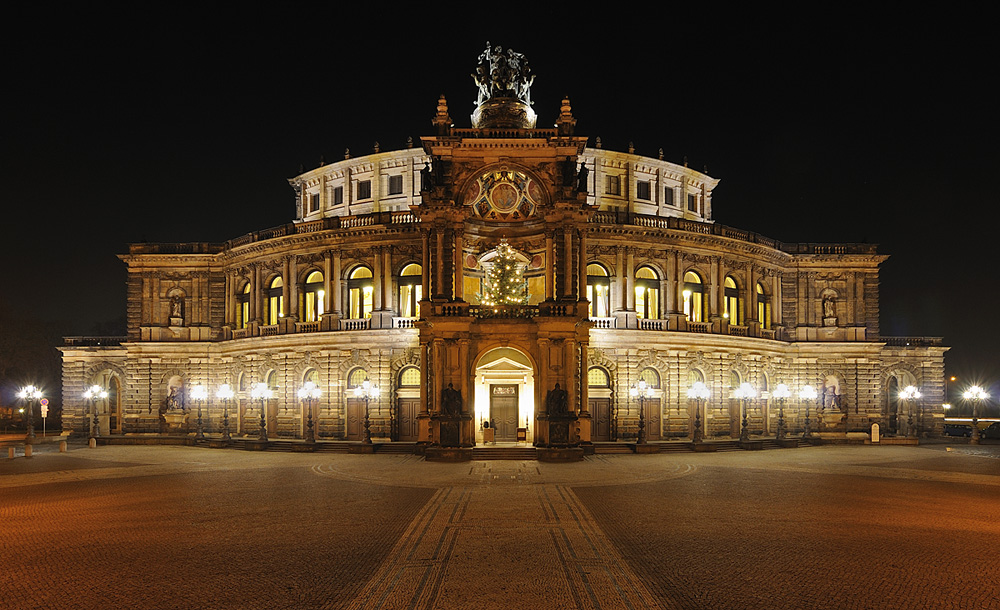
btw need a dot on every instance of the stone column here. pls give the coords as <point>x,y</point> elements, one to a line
<point>425,263</point>
<point>377,279</point>
<point>334,296</point>
<point>387,278</point>
<point>292,300</point>
<point>550,276</point>
<point>715,288</point>
<point>459,267</point>
<point>439,263</point>
<point>567,291</point>
<point>582,283</point>
<point>228,301</point>
<point>286,284</point>
<point>630,280</point>
<point>254,290</point>
<point>751,298</point>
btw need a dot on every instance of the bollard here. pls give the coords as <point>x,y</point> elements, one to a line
<point>62,446</point>
<point>93,443</point>
<point>10,452</point>
<point>27,450</point>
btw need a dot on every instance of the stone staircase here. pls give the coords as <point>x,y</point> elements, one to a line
<point>504,453</point>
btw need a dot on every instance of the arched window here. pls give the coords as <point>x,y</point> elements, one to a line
<point>275,301</point>
<point>651,377</point>
<point>409,377</point>
<point>312,375</point>
<point>763,307</point>
<point>695,376</point>
<point>598,291</point>
<point>356,377</point>
<point>359,293</point>
<point>271,379</point>
<point>647,293</point>
<point>598,377</point>
<point>243,307</point>
<point>734,380</point>
<point>732,302</point>
<point>313,297</point>
<point>410,291</point>
<point>694,297</point>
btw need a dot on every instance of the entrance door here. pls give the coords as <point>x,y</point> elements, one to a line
<point>503,412</point>
<point>651,415</point>
<point>600,412</point>
<point>355,419</point>
<point>408,409</point>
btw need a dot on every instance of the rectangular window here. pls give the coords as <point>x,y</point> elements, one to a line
<point>395,185</point>
<point>692,203</point>
<point>642,190</point>
<point>668,196</point>
<point>613,185</point>
<point>365,189</point>
<point>314,202</point>
<point>338,195</point>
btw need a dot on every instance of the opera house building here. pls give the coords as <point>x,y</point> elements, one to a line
<point>502,283</point>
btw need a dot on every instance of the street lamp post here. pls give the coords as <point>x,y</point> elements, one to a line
<point>745,393</point>
<point>700,393</point>
<point>910,394</point>
<point>262,393</point>
<point>29,395</point>
<point>225,394</point>
<point>367,392</point>
<point>308,393</point>
<point>199,393</point>
<point>94,393</point>
<point>807,394</point>
<point>781,392</point>
<point>642,392</point>
<point>975,394</point>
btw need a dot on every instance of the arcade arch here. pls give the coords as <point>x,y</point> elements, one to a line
<point>504,395</point>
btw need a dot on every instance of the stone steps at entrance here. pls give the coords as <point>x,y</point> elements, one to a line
<point>398,447</point>
<point>504,453</point>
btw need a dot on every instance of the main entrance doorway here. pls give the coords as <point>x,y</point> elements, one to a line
<point>503,412</point>
<point>505,389</point>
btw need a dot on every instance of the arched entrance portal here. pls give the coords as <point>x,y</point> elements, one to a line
<point>505,390</point>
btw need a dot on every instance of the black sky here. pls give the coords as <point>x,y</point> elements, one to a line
<point>124,127</point>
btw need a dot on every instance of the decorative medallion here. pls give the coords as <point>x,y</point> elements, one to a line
<point>504,195</point>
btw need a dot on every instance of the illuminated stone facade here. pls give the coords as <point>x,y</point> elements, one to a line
<point>628,278</point>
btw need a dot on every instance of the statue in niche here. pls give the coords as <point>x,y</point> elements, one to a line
<point>581,182</point>
<point>176,310</point>
<point>426,177</point>
<point>829,310</point>
<point>451,401</point>
<point>557,401</point>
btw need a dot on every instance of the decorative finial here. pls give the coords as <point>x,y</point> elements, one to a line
<point>409,141</point>
<point>631,148</point>
<point>566,122</point>
<point>685,160</point>
<point>661,154</point>
<point>347,153</point>
<point>597,142</point>
<point>322,161</point>
<point>441,120</point>
<point>705,169</point>
<point>375,148</point>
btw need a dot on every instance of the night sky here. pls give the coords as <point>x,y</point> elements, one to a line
<point>175,127</point>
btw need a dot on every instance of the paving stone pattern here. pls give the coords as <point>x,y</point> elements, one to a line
<point>178,527</point>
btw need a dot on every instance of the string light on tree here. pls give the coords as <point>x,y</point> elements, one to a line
<point>505,283</point>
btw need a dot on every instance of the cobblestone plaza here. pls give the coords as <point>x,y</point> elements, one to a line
<point>817,527</point>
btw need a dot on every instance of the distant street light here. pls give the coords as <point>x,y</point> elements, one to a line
<point>93,394</point>
<point>199,393</point>
<point>745,393</point>
<point>976,395</point>
<point>700,393</point>
<point>781,392</point>
<point>808,394</point>
<point>367,392</point>
<point>28,395</point>
<point>642,392</point>
<point>910,394</point>
<point>308,393</point>
<point>225,394</point>
<point>262,393</point>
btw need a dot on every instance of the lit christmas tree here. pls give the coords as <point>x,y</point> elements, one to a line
<point>505,283</point>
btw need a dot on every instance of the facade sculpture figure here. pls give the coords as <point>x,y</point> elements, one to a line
<point>557,401</point>
<point>451,400</point>
<point>829,311</point>
<point>581,178</point>
<point>500,74</point>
